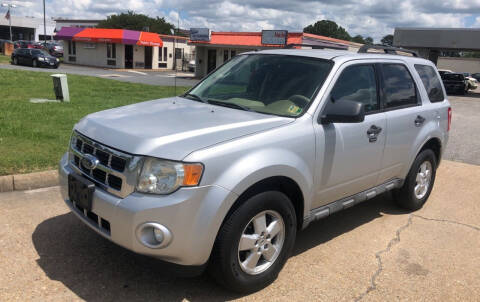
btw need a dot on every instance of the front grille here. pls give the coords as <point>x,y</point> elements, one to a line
<point>111,173</point>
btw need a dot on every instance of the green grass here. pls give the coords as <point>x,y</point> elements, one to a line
<point>33,137</point>
<point>4,59</point>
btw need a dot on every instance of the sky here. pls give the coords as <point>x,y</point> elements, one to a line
<point>374,18</point>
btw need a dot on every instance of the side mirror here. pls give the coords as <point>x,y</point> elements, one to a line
<point>343,111</point>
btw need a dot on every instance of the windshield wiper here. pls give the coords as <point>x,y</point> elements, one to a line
<point>196,97</point>
<point>231,105</point>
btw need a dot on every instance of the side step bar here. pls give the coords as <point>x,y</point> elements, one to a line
<point>350,201</point>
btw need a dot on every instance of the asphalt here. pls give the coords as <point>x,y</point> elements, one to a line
<point>464,141</point>
<point>160,78</point>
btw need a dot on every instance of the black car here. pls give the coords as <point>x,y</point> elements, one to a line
<point>34,57</point>
<point>455,83</point>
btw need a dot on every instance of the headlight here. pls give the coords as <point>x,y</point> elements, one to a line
<point>41,59</point>
<point>58,60</point>
<point>163,176</point>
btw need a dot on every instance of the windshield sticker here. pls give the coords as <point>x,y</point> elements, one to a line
<point>294,109</point>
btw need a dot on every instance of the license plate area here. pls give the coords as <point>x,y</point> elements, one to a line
<point>80,191</point>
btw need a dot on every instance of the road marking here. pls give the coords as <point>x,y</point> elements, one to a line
<point>137,72</point>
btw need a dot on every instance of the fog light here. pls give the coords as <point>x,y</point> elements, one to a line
<point>153,235</point>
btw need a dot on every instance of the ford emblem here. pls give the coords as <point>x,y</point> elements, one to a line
<point>90,162</point>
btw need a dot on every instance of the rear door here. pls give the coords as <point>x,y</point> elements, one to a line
<point>405,118</point>
<point>348,156</point>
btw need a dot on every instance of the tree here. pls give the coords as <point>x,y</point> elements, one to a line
<point>369,41</point>
<point>329,29</point>
<point>387,40</point>
<point>140,22</point>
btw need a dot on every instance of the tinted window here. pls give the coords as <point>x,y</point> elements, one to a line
<point>430,82</point>
<point>399,86</point>
<point>357,83</point>
<point>453,77</point>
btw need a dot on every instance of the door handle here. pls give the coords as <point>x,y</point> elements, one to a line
<point>419,120</point>
<point>373,133</point>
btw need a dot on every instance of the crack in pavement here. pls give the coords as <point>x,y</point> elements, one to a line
<point>395,240</point>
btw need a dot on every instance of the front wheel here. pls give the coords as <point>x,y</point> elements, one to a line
<point>254,242</point>
<point>34,63</point>
<point>419,182</point>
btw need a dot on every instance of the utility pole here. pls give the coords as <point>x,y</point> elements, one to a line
<point>9,15</point>
<point>44,24</point>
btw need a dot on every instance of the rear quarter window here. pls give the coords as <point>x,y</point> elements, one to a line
<point>431,82</point>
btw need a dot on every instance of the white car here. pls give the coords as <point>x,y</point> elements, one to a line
<point>472,82</point>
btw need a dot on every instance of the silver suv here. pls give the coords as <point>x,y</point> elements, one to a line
<point>225,175</point>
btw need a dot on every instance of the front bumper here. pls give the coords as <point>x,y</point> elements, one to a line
<point>193,216</point>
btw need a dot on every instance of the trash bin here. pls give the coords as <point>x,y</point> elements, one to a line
<point>60,86</point>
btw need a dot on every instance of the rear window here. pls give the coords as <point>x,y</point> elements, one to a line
<point>453,77</point>
<point>431,82</point>
<point>400,89</point>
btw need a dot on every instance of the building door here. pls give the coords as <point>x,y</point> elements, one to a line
<point>211,60</point>
<point>128,56</point>
<point>148,57</point>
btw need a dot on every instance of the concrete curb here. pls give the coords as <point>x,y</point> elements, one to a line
<point>22,182</point>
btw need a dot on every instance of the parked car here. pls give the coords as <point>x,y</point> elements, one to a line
<point>471,81</point>
<point>23,44</point>
<point>476,76</point>
<point>34,57</point>
<point>55,49</point>
<point>191,65</point>
<point>225,175</point>
<point>455,83</point>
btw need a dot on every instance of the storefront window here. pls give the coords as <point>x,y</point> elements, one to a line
<point>72,48</point>
<point>111,51</point>
<point>225,55</point>
<point>233,53</point>
<point>165,50</point>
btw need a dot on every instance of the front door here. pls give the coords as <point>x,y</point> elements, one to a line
<point>148,57</point>
<point>348,156</point>
<point>128,56</point>
<point>211,60</point>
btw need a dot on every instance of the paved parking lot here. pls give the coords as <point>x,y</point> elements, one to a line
<point>371,252</point>
<point>160,78</point>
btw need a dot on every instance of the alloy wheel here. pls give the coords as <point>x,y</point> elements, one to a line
<point>261,242</point>
<point>423,179</point>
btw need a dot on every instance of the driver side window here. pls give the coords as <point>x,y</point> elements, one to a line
<point>357,83</point>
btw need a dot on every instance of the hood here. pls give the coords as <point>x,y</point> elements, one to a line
<point>172,128</point>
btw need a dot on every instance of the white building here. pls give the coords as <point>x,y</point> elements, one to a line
<point>75,23</point>
<point>25,28</point>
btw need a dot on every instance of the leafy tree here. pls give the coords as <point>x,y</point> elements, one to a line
<point>140,22</point>
<point>329,29</point>
<point>387,40</point>
<point>369,40</point>
<point>362,40</point>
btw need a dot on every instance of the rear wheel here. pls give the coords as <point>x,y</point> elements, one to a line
<point>15,61</point>
<point>254,242</point>
<point>419,182</point>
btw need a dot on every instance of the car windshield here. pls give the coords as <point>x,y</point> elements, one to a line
<point>274,84</point>
<point>40,52</point>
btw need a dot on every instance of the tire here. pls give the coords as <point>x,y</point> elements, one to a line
<point>15,61</point>
<point>407,197</point>
<point>228,264</point>
<point>34,63</point>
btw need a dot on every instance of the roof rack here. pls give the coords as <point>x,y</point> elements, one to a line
<point>387,49</point>
<point>314,46</point>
